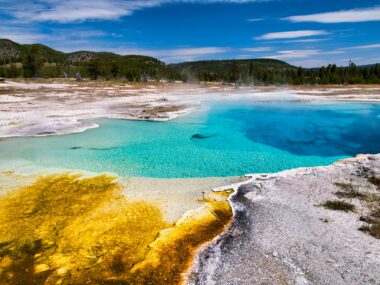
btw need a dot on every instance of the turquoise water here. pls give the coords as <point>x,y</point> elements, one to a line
<point>227,140</point>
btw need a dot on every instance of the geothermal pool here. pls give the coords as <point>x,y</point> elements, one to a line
<point>227,139</point>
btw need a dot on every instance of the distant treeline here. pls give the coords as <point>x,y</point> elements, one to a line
<point>37,60</point>
<point>267,71</point>
<point>129,68</point>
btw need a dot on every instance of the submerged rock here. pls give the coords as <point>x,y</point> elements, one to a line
<point>201,136</point>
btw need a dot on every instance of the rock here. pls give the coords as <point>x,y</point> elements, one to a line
<point>200,136</point>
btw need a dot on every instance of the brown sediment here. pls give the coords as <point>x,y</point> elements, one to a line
<point>162,109</point>
<point>69,229</point>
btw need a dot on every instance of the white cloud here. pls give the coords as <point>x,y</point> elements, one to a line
<point>194,51</point>
<point>66,34</point>
<point>373,46</point>
<point>257,49</point>
<point>255,20</point>
<point>26,35</point>
<point>305,41</point>
<point>50,37</point>
<point>21,35</point>
<point>116,35</point>
<point>291,34</point>
<point>291,54</point>
<point>83,10</point>
<point>305,53</point>
<point>345,16</point>
<point>72,11</point>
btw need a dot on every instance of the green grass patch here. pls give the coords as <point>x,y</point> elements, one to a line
<point>350,192</point>
<point>374,180</point>
<point>373,226</point>
<point>348,187</point>
<point>374,230</point>
<point>337,205</point>
<point>351,195</point>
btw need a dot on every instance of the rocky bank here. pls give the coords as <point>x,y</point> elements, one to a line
<point>285,233</point>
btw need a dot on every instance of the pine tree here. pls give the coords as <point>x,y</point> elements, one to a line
<point>33,62</point>
<point>93,68</point>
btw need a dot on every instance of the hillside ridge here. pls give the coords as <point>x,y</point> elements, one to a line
<point>38,60</point>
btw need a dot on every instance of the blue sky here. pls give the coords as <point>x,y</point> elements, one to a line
<point>302,32</point>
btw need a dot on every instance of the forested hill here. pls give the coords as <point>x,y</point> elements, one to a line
<point>36,60</point>
<point>11,52</point>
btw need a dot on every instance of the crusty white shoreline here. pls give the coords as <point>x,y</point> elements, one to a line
<point>279,234</point>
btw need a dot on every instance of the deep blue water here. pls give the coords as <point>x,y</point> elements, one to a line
<point>330,130</point>
<point>227,140</point>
